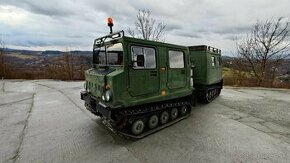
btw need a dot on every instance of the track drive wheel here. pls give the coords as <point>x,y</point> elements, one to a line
<point>173,113</point>
<point>208,96</point>
<point>219,91</point>
<point>153,121</point>
<point>137,127</point>
<point>164,117</point>
<point>183,110</point>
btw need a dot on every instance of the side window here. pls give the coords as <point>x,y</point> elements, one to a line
<point>143,57</point>
<point>213,61</point>
<point>217,61</point>
<point>176,59</point>
<point>220,61</point>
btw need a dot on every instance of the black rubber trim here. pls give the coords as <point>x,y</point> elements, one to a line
<point>94,106</point>
<point>153,130</point>
<point>83,94</point>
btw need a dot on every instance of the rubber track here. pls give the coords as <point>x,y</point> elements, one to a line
<point>148,132</point>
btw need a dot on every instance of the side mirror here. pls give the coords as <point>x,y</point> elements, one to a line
<point>140,60</point>
<point>96,56</point>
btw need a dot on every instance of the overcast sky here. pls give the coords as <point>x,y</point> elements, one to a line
<point>73,24</point>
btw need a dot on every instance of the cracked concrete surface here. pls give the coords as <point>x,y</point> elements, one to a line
<point>2,85</point>
<point>45,121</point>
<point>23,132</point>
<point>269,112</point>
<point>14,119</point>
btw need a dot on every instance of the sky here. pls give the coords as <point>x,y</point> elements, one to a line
<point>74,24</point>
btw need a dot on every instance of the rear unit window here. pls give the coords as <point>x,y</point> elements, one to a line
<point>219,62</point>
<point>213,61</point>
<point>176,59</point>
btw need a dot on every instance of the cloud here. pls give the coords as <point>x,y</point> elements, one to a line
<point>189,34</point>
<point>54,23</point>
<point>49,8</point>
<point>172,27</point>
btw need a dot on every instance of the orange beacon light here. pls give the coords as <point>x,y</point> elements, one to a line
<point>110,24</point>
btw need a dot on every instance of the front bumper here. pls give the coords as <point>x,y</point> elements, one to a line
<point>95,106</point>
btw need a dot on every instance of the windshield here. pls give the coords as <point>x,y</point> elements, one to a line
<point>109,55</point>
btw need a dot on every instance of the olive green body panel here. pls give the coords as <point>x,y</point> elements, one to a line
<point>199,61</point>
<point>146,85</point>
<point>141,83</point>
<point>94,83</point>
<point>207,63</point>
<point>214,73</point>
<point>130,87</point>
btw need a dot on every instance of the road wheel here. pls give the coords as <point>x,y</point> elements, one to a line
<point>219,91</point>
<point>174,113</point>
<point>137,127</point>
<point>164,117</point>
<point>207,97</point>
<point>183,110</point>
<point>153,121</point>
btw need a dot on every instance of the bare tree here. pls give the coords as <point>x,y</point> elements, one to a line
<point>69,64</point>
<point>265,48</point>
<point>3,73</point>
<point>146,27</point>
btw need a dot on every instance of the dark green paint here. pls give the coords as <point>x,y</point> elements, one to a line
<point>204,72</point>
<point>132,87</point>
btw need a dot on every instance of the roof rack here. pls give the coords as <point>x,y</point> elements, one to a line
<point>113,36</point>
<point>205,48</point>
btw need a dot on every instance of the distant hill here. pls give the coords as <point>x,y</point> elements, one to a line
<point>284,67</point>
<point>58,53</point>
<point>30,57</point>
<point>27,59</point>
<point>46,52</point>
<point>227,57</point>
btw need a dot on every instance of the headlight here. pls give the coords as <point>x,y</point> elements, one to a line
<point>108,95</point>
<point>103,97</point>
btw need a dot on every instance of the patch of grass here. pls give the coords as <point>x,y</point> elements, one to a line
<point>230,73</point>
<point>22,56</point>
<point>227,72</point>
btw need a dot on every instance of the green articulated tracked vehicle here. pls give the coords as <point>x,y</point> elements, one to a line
<point>139,87</point>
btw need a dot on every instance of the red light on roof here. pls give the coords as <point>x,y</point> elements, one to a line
<point>110,21</point>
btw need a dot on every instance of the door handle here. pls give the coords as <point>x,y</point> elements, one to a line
<point>153,73</point>
<point>182,71</point>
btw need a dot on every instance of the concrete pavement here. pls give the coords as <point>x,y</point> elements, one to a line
<point>45,121</point>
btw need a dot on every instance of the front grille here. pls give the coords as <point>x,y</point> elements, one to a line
<point>95,89</point>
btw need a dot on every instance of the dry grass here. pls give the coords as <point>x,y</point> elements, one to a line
<point>22,56</point>
<point>246,79</point>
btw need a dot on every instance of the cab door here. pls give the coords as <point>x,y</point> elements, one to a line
<point>143,73</point>
<point>176,69</point>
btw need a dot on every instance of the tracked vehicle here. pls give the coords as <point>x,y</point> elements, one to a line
<point>139,87</point>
